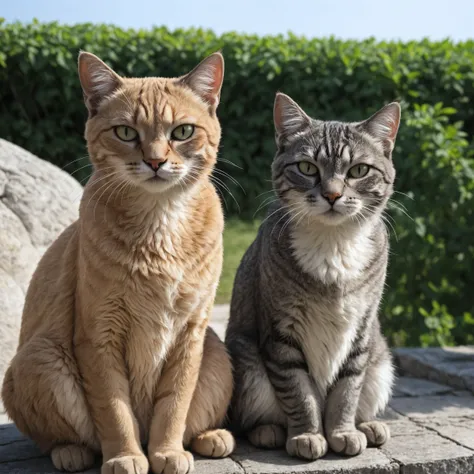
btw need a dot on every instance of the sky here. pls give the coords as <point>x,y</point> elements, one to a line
<point>347,19</point>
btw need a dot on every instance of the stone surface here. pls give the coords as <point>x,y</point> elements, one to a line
<point>428,453</point>
<point>453,366</point>
<point>37,201</point>
<point>459,430</point>
<point>415,387</point>
<point>431,434</point>
<point>440,406</point>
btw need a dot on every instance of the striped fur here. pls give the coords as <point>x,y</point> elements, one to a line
<point>311,366</point>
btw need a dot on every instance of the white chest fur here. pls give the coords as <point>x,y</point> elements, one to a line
<point>332,254</point>
<point>326,333</point>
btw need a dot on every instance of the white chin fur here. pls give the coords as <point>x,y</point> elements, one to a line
<point>332,249</point>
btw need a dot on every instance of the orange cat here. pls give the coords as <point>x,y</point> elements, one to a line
<point>114,347</point>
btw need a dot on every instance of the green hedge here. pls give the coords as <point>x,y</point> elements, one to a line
<point>428,301</point>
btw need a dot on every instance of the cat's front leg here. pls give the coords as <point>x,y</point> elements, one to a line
<point>295,390</point>
<point>341,407</point>
<point>173,399</point>
<point>107,389</point>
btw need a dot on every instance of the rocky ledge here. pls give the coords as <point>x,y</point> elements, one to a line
<point>431,417</point>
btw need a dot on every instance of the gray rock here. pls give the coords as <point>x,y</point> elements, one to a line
<point>453,366</point>
<point>37,202</point>
<point>415,387</point>
<point>256,461</point>
<point>460,430</point>
<point>434,406</point>
<point>429,453</point>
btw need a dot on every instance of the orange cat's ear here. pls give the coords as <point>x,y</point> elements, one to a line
<point>97,80</point>
<point>206,79</point>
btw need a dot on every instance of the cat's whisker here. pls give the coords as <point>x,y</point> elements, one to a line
<point>109,175</point>
<point>265,192</point>
<point>223,160</point>
<point>216,179</point>
<point>227,175</point>
<point>266,202</point>
<point>107,187</point>
<point>406,195</point>
<point>287,223</point>
<point>289,209</point>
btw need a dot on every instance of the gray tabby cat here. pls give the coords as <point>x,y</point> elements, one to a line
<point>311,365</point>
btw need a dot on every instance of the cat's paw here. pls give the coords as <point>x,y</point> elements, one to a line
<point>349,443</point>
<point>376,432</point>
<point>268,436</point>
<point>172,462</point>
<point>214,444</point>
<point>72,458</point>
<point>307,446</point>
<point>126,465</point>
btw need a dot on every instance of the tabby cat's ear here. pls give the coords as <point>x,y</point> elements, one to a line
<point>206,79</point>
<point>288,116</point>
<point>97,80</point>
<point>383,126</point>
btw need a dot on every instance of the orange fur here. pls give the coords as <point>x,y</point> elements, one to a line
<point>114,347</point>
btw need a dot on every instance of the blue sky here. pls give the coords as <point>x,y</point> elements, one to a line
<point>395,19</point>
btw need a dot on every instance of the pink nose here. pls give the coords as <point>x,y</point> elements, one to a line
<point>331,197</point>
<point>155,164</point>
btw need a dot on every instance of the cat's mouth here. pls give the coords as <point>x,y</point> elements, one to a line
<point>156,179</point>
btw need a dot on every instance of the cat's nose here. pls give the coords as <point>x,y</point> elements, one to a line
<point>332,196</point>
<point>156,163</point>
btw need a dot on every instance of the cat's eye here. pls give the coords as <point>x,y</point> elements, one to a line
<point>358,171</point>
<point>182,132</point>
<point>126,134</point>
<point>308,168</point>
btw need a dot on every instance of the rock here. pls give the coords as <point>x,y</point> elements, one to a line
<point>437,406</point>
<point>453,366</point>
<point>37,202</point>
<point>414,387</point>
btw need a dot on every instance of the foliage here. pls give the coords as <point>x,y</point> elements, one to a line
<point>427,299</point>
<point>238,235</point>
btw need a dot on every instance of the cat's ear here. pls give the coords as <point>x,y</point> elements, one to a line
<point>288,116</point>
<point>206,79</point>
<point>383,126</point>
<point>97,80</point>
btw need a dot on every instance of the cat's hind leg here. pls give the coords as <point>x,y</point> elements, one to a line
<point>374,397</point>
<point>43,396</point>
<point>255,410</point>
<point>204,432</point>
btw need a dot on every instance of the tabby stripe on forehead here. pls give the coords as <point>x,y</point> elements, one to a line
<point>141,103</point>
<point>317,152</point>
<point>326,141</point>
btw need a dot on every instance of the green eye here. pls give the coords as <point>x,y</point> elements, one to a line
<point>126,134</point>
<point>358,171</point>
<point>307,168</point>
<point>183,132</point>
